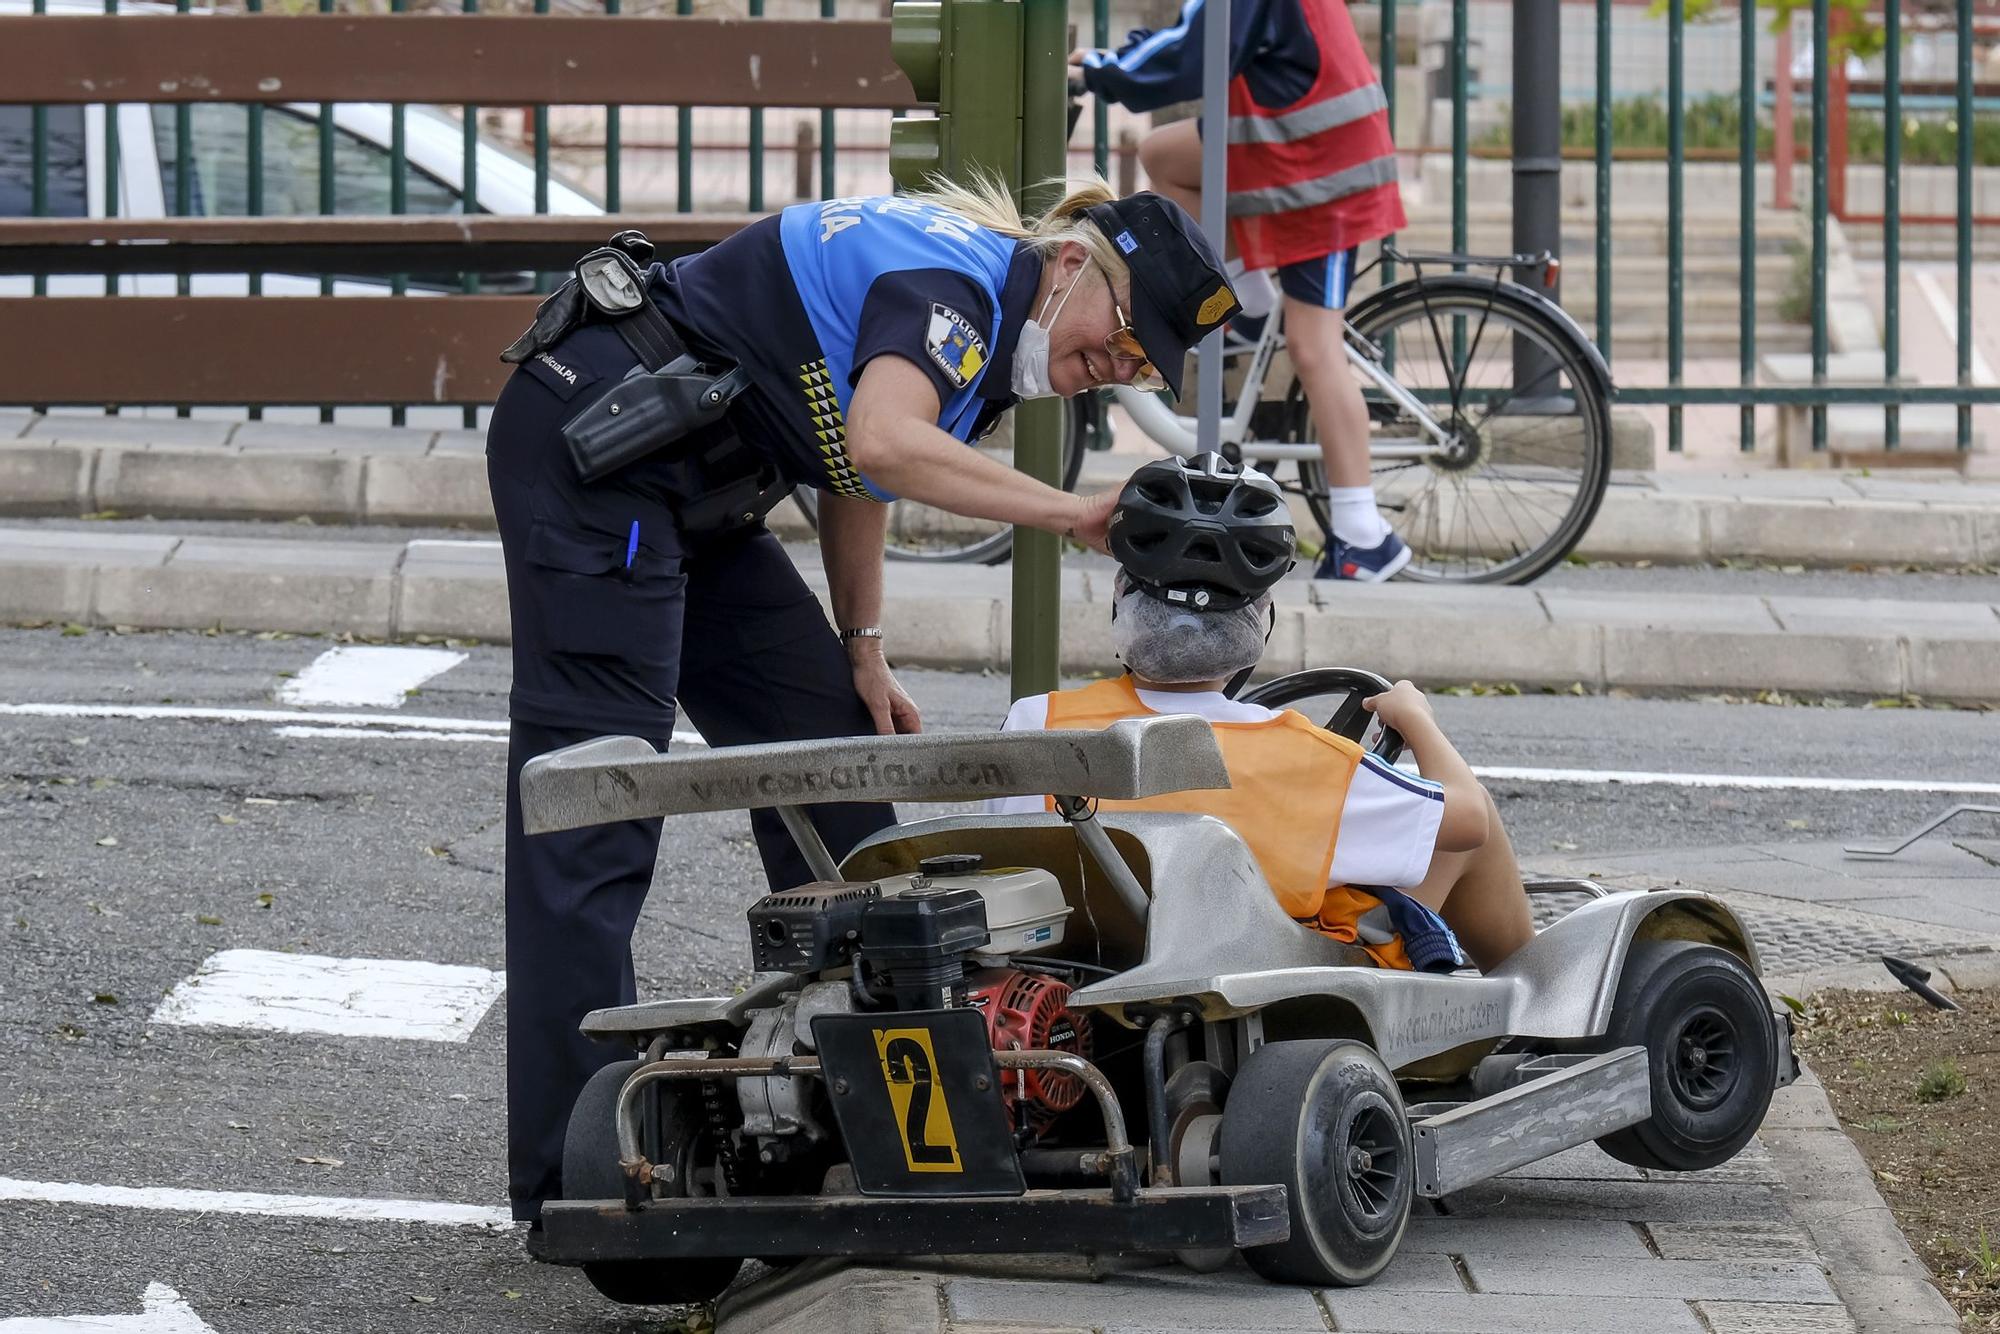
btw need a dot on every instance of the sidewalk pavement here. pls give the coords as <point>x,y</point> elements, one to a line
<point>958,616</point>
<point>172,468</point>
<point>1789,1238</point>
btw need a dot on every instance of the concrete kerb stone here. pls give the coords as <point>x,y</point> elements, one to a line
<point>1952,669</point>
<point>45,479</point>
<point>426,489</point>
<point>254,584</point>
<point>13,424</point>
<point>1832,1194</point>
<point>452,589</point>
<point>1836,533</point>
<point>188,483</point>
<point>324,438</point>
<point>51,574</point>
<point>1638,523</point>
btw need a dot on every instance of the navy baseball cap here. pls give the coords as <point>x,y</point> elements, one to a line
<point>1179,292</point>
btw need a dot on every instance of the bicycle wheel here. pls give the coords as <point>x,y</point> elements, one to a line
<point>1526,472</point>
<point>926,533</point>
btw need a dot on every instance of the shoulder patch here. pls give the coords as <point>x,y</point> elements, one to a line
<point>951,341</point>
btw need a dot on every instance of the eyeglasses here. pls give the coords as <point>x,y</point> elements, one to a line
<point>1123,347</point>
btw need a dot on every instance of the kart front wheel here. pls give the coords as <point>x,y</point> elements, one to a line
<point>1712,1054</point>
<point>674,1136</point>
<point>1324,1119</point>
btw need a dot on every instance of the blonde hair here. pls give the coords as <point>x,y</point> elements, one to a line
<point>984,200</point>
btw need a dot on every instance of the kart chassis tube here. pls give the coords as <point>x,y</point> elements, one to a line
<point>1119,1161</point>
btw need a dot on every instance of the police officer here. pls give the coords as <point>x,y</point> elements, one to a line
<point>858,343</point>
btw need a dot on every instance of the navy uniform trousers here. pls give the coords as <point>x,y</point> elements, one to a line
<point>726,626</point>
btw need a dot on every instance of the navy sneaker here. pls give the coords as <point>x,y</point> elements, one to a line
<point>1367,565</point>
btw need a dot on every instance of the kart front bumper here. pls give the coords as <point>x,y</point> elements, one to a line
<point>802,1226</point>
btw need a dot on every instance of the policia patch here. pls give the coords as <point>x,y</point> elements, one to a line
<point>954,345</point>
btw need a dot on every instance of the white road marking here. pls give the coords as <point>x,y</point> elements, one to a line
<point>199,713</point>
<point>1640,778</point>
<point>312,993</point>
<point>163,1311</point>
<point>363,675</point>
<point>416,728</point>
<point>176,1200</point>
<point>386,734</point>
<point>330,724</point>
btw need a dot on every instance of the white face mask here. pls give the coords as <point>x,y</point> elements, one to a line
<point>1031,351</point>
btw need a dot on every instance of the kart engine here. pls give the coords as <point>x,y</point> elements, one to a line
<point>941,938</point>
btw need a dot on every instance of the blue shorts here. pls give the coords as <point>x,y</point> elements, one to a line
<point>1322,282</point>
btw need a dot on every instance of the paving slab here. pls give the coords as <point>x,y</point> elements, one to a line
<point>459,442</point>
<point>16,423</point>
<point>1835,616</point>
<point>1774,1318</point>
<point>1529,1237</point>
<point>1681,612</point>
<point>1686,1280</point>
<point>140,432</point>
<point>1365,1311</point>
<point>1759,1240</point>
<point>270,437</point>
<point>248,583</point>
<point>1125,1302</point>
<point>84,548</point>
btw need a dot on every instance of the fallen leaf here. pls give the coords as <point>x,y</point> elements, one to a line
<point>208,919</point>
<point>104,998</point>
<point>226,819</point>
<point>266,900</point>
<point>1797,824</point>
<point>239,1125</point>
<point>108,841</point>
<point>69,1032</point>
<point>1563,847</point>
<point>321,1162</point>
<point>1793,1003</point>
<point>510,1294</point>
<point>99,784</point>
<point>75,631</point>
<point>1576,688</point>
<point>422,1301</point>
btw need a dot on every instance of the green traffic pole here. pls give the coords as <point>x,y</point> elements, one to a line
<point>1038,424</point>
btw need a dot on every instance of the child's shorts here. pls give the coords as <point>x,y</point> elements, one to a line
<point>1320,282</point>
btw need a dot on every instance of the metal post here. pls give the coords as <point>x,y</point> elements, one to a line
<point>1676,208</point>
<point>1819,205</point>
<point>1214,201</point>
<point>468,190</point>
<point>829,156</point>
<point>1892,219</point>
<point>1537,165</point>
<point>1746,227</point>
<point>1603,153</point>
<point>327,198</point>
<point>1100,110</point>
<point>684,141</point>
<point>1965,219</point>
<point>614,144</point>
<point>755,202</point>
<point>1038,425</point>
<point>399,202</point>
<point>1388,67</point>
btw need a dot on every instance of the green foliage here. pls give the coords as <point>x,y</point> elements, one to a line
<point>1861,36</point>
<point>1711,124</point>
<point>1940,1080</point>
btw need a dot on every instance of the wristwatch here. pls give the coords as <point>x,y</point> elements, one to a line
<point>861,632</point>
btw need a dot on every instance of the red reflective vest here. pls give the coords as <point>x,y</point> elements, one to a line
<point>1318,176</point>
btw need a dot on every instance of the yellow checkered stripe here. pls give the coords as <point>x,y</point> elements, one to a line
<point>830,428</point>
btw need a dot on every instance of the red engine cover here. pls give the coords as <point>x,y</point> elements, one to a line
<point>1031,1010</point>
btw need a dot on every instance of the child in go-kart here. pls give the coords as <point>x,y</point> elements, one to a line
<point>1416,871</point>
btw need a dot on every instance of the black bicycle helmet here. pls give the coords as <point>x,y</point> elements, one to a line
<point>1202,533</point>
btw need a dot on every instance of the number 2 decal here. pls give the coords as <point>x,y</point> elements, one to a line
<point>923,1118</point>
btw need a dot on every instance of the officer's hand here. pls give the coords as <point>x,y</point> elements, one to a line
<point>888,703</point>
<point>1093,522</point>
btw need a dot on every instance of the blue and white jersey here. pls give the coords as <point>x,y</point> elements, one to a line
<point>806,300</point>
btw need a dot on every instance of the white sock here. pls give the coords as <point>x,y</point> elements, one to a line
<point>1356,521</point>
<point>1254,288</point>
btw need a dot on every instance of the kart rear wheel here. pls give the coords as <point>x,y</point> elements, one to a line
<point>591,1172</point>
<point>1706,1026</point>
<point>1324,1119</point>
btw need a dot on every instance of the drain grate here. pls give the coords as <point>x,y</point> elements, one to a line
<point>1793,936</point>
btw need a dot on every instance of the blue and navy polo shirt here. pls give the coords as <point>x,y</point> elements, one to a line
<point>806,299</point>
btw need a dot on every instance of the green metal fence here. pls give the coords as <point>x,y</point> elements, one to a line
<point>330,177</point>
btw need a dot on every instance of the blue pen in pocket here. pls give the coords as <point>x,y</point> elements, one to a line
<point>632,545</point>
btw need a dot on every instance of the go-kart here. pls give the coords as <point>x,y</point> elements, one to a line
<point>1101,1033</point>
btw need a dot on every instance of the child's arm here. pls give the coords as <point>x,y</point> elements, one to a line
<point>1464,826</point>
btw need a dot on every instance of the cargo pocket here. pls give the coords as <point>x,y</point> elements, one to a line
<point>593,605</point>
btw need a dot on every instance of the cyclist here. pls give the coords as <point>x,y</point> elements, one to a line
<point>1312,176</point>
<point>1407,868</point>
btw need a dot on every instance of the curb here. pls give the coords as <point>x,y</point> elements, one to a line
<point>959,617</point>
<point>1880,1279</point>
<point>70,466</point>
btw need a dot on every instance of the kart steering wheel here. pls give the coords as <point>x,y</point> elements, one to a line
<point>1349,719</point>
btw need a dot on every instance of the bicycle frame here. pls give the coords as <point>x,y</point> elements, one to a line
<point>1176,433</point>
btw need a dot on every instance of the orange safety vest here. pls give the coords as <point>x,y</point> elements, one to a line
<point>1318,176</point>
<point>1289,782</point>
